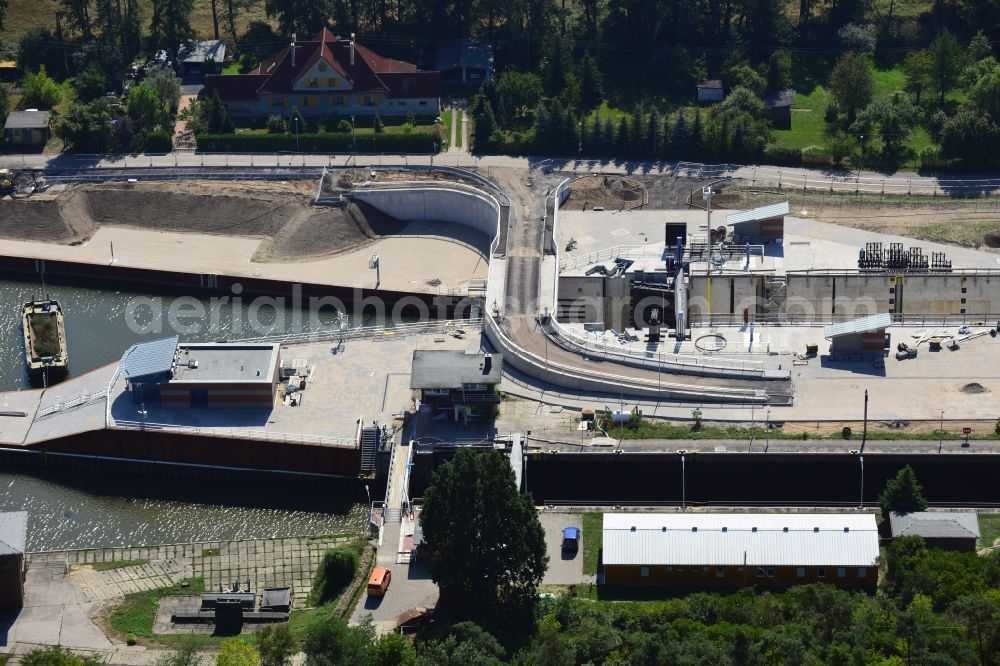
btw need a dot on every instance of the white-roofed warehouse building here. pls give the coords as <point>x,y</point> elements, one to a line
<point>733,550</point>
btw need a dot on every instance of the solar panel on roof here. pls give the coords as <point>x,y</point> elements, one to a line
<point>148,358</point>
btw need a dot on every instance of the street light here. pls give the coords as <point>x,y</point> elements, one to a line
<point>683,479</point>
<point>767,431</point>
<point>861,502</point>
<point>295,122</point>
<point>580,147</point>
<point>354,139</point>
<point>941,432</point>
<point>368,492</point>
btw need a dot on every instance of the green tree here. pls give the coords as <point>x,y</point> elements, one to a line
<point>170,25</point>
<point>303,16</point>
<point>970,136</point>
<point>39,90</point>
<point>858,38</point>
<point>234,652</point>
<point>276,645</point>
<point>391,650</point>
<point>185,655</point>
<point>57,656</point>
<point>984,93</point>
<point>377,125</point>
<point>891,117</point>
<point>521,91</point>
<point>917,66</point>
<point>979,47</point>
<point>4,103</point>
<point>3,13</point>
<point>591,82</point>
<point>980,615</point>
<point>947,61</point>
<point>779,71</point>
<point>745,76</point>
<point>852,84</point>
<point>902,494</point>
<point>144,106</point>
<point>330,642</point>
<point>489,543</point>
<point>87,127</point>
<point>167,87</point>
<point>90,83</point>
<point>336,571</point>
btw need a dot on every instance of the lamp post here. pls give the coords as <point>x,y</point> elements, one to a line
<point>295,122</point>
<point>683,479</point>
<point>767,431</point>
<point>369,494</point>
<point>580,146</point>
<point>864,432</point>
<point>941,432</point>
<point>354,139</point>
<point>861,497</point>
<point>861,161</point>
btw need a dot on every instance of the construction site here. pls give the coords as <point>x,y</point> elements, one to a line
<point>642,292</point>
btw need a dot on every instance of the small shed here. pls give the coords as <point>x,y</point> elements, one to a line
<point>710,91</point>
<point>464,61</point>
<point>13,565</point>
<point>948,530</point>
<point>26,130</point>
<point>759,225</point>
<point>866,334</point>
<point>778,107</point>
<point>193,55</point>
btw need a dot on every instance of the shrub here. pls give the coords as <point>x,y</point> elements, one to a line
<point>830,113</point>
<point>131,639</point>
<point>157,141</point>
<point>696,415</point>
<point>996,428</point>
<point>815,155</point>
<point>846,432</point>
<point>420,141</point>
<point>345,126</point>
<point>276,125</point>
<point>378,125</point>
<point>931,158</point>
<point>57,656</point>
<point>40,91</point>
<point>335,573</point>
<point>247,63</point>
<point>783,155</point>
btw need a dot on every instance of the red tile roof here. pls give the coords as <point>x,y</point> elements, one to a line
<point>370,72</point>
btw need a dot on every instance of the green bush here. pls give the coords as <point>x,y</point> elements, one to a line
<point>931,158</point>
<point>131,639</point>
<point>846,432</point>
<point>816,155</point>
<point>783,155</point>
<point>335,573</point>
<point>157,141</point>
<point>422,140</point>
<point>276,125</point>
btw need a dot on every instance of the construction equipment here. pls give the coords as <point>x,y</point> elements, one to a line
<point>904,351</point>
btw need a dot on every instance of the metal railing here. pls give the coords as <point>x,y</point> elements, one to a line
<point>609,254</point>
<point>899,319</point>
<point>79,401</point>
<point>668,362</point>
<point>234,433</point>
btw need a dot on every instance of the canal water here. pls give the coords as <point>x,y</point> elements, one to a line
<point>87,509</point>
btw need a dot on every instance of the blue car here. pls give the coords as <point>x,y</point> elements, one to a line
<point>571,539</point>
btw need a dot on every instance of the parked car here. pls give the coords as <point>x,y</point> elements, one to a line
<point>378,582</point>
<point>571,539</point>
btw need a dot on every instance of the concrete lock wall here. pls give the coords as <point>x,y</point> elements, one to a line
<point>722,295</point>
<point>435,204</point>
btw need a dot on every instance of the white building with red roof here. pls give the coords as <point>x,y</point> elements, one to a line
<point>328,76</point>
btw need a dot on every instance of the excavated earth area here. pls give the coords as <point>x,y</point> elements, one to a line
<point>281,214</point>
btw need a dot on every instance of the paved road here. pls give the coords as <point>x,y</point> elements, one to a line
<point>869,181</point>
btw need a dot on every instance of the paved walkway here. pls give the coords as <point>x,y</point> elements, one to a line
<point>64,593</point>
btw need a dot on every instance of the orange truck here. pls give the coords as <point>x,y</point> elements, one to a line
<point>378,582</point>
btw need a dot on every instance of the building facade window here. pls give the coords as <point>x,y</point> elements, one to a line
<point>821,572</point>
<point>760,572</point>
<point>644,572</point>
<point>841,572</point>
<point>862,572</point>
<point>770,572</point>
<point>720,572</point>
<point>800,572</point>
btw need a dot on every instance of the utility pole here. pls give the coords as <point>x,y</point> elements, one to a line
<point>861,501</point>
<point>683,479</point>
<point>354,139</point>
<point>767,431</point>
<point>941,433</point>
<point>864,433</point>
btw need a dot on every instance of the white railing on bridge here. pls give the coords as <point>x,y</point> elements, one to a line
<point>234,433</point>
<point>79,401</point>
<point>609,254</point>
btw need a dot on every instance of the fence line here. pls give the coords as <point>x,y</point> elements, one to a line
<point>371,332</point>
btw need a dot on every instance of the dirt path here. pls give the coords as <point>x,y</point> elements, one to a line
<point>184,137</point>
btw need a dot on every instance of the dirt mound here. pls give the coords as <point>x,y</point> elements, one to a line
<point>48,218</point>
<point>328,231</point>
<point>282,214</point>
<point>992,240</point>
<point>606,191</point>
<point>974,387</point>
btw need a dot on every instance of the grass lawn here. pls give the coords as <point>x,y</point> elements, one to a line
<point>119,564</point>
<point>606,112</point>
<point>231,68</point>
<point>137,612</point>
<point>989,528</point>
<point>446,129</point>
<point>593,540</point>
